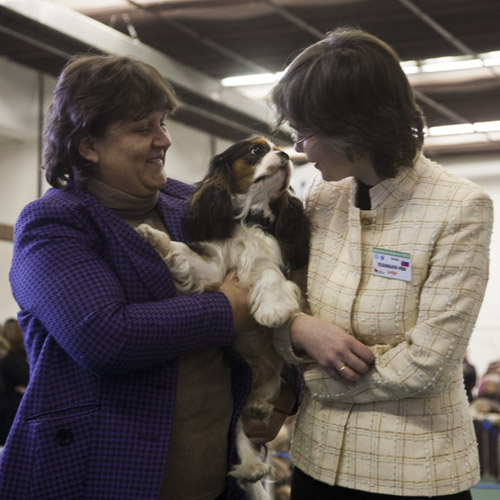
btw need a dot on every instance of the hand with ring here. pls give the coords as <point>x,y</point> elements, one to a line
<point>338,353</point>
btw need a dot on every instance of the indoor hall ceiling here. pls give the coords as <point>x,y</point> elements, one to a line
<point>223,38</point>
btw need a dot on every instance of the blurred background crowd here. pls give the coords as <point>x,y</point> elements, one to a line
<point>14,374</point>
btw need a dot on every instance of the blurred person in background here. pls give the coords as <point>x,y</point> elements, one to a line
<point>14,372</point>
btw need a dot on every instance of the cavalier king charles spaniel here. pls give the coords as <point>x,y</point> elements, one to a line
<point>244,217</point>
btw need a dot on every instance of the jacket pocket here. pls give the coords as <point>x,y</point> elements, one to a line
<point>61,453</point>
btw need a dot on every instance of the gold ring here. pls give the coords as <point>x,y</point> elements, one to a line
<point>342,368</point>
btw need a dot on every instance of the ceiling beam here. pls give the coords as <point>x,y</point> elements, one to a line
<point>461,47</point>
<point>295,20</point>
<point>203,40</point>
<point>64,29</point>
<point>447,35</point>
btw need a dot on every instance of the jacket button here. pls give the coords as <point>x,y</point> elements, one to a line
<point>366,222</point>
<point>63,437</point>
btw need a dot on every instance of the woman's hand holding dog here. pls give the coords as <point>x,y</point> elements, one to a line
<point>238,297</point>
<point>341,355</point>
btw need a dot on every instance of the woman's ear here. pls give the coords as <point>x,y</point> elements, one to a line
<point>87,149</point>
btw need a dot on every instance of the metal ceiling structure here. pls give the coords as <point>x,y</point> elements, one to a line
<point>195,43</point>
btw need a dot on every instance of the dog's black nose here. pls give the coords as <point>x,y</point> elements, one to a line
<point>284,155</point>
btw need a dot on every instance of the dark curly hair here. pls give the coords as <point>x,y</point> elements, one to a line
<point>92,92</point>
<point>350,89</point>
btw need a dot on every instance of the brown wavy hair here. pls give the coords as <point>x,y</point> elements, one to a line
<point>92,92</point>
<point>350,89</point>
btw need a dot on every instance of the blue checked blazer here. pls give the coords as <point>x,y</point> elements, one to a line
<point>104,330</point>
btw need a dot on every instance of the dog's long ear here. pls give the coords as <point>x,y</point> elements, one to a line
<point>210,215</point>
<point>292,229</point>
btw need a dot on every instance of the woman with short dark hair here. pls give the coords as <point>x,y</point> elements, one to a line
<point>134,391</point>
<point>397,273</point>
<point>92,93</point>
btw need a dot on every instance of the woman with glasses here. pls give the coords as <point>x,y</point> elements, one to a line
<point>395,281</point>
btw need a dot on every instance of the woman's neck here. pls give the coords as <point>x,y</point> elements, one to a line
<point>365,171</point>
<point>123,204</point>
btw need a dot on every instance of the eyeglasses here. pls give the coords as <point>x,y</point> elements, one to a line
<point>298,139</point>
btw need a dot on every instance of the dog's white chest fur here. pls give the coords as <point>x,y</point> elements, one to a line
<point>256,258</point>
<point>250,179</point>
<point>251,253</point>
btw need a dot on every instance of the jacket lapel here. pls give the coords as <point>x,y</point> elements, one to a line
<point>137,263</point>
<point>171,211</point>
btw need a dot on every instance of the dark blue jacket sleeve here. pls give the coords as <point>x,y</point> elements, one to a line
<point>96,302</point>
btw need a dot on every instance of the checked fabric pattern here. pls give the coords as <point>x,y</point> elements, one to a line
<point>103,329</point>
<point>405,427</point>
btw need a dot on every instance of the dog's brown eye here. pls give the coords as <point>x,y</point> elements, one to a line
<point>256,150</point>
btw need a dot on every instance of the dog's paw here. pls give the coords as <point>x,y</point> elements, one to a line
<point>275,314</point>
<point>147,233</point>
<point>250,472</point>
<point>274,302</point>
<point>159,240</point>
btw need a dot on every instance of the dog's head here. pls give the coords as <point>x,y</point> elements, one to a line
<point>248,182</point>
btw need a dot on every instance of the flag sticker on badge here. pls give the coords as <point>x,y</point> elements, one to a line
<point>392,264</point>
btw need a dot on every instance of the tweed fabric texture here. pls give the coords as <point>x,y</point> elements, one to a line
<point>405,428</point>
<point>104,330</point>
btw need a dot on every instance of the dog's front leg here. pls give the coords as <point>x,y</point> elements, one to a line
<point>251,469</point>
<point>159,240</point>
<point>273,299</point>
<point>195,273</point>
<point>192,272</point>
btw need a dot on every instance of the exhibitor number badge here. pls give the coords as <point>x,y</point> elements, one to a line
<point>392,264</point>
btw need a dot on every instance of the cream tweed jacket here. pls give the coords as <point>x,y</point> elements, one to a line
<point>405,429</point>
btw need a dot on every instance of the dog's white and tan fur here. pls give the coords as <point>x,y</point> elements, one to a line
<point>243,217</point>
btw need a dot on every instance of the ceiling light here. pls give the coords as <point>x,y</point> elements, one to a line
<point>492,59</point>
<point>410,67</point>
<point>465,128</point>
<point>434,65</point>
<point>463,141</point>
<point>449,64</point>
<point>487,126</point>
<point>256,79</point>
<point>461,128</point>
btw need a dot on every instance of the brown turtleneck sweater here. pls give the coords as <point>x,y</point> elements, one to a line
<point>197,454</point>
